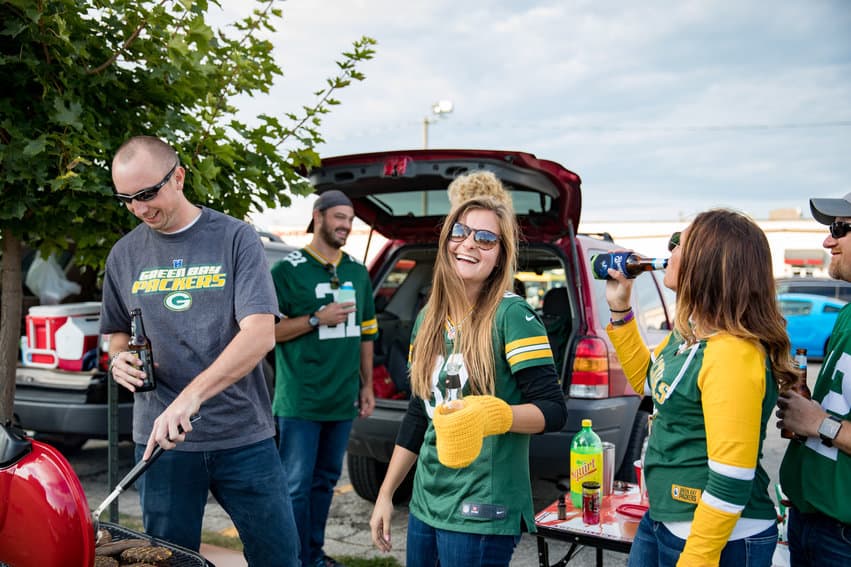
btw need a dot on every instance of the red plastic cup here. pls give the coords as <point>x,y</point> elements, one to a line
<point>637,467</point>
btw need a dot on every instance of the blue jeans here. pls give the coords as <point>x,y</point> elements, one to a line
<point>246,481</point>
<point>654,545</point>
<point>428,545</point>
<point>815,539</point>
<point>312,453</point>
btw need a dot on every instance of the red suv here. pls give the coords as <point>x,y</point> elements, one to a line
<point>402,195</point>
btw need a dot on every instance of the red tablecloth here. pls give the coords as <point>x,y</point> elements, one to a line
<point>613,526</point>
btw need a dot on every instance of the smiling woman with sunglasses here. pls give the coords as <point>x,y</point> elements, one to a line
<point>476,338</point>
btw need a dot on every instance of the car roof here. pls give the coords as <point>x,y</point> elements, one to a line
<point>402,194</point>
<point>812,281</point>
<point>811,297</point>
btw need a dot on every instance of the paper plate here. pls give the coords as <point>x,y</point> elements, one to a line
<point>632,510</point>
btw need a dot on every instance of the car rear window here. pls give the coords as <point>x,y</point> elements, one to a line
<point>793,307</point>
<point>435,202</point>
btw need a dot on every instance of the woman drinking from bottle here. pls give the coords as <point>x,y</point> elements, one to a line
<point>714,381</point>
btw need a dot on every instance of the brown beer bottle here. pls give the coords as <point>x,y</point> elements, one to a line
<point>799,386</point>
<point>140,346</point>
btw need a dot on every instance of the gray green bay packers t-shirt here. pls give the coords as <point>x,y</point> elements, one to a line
<point>193,288</point>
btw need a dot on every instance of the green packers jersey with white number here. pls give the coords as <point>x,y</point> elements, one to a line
<point>814,476</point>
<point>493,494</point>
<point>317,375</point>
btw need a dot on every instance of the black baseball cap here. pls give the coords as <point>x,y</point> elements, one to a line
<point>825,211</point>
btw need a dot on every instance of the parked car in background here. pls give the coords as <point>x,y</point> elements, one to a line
<point>828,287</point>
<point>809,320</point>
<point>402,195</point>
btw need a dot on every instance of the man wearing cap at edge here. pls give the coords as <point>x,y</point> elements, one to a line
<point>816,474</point>
<point>323,362</point>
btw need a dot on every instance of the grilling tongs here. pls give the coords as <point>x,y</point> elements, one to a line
<point>129,479</point>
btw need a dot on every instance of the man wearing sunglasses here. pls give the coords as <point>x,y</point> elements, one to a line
<point>815,474</point>
<point>202,281</point>
<point>323,365</point>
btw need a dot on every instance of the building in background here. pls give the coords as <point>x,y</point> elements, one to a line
<point>796,242</point>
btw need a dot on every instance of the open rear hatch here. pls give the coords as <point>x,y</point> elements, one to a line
<point>402,194</point>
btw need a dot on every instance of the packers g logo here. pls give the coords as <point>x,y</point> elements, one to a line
<point>178,301</point>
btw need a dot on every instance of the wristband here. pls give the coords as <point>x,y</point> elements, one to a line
<point>627,310</point>
<point>629,317</point>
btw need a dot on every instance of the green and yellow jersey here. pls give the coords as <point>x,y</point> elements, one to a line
<point>712,402</point>
<point>492,495</point>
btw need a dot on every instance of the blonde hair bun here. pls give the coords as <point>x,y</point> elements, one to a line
<point>478,185</point>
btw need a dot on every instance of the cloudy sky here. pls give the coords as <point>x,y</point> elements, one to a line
<point>663,108</point>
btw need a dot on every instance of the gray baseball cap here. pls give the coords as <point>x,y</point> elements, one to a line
<point>332,198</point>
<point>825,211</point>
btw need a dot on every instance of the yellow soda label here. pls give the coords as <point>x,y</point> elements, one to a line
<point>584,467</point>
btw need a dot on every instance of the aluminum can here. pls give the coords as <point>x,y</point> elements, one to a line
<point>591,502</point>
<point>608,468</point>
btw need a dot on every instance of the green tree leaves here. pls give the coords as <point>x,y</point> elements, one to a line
<point>82,76</point>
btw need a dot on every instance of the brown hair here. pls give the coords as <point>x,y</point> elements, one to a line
<point>725,283</point>
<point>447,296</point>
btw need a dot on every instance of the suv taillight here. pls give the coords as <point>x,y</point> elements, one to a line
<point>103,353</point>
<point>590,369</point>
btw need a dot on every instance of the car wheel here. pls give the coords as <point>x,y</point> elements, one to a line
<point>367,474</point>
<point>633,450</point>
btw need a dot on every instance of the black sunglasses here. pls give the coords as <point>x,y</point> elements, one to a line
<point>674,241</point>
<point>838,229</point>
<point>484,239</point>
<point>332,271</point>
<point>148,193</point>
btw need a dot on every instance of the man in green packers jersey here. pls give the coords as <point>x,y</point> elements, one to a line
<point>323,362</point>
<point>816,474</point>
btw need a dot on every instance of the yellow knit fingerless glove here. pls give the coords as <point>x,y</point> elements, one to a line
<point>460,432</point>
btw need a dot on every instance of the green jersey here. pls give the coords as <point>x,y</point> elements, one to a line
<point>493,494</point>
<point>814,476</point>
<point>318,373</point>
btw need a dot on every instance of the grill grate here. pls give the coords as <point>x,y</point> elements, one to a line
<point>181,557</point>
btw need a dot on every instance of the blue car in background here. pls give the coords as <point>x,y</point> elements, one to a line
<point>809,320</point>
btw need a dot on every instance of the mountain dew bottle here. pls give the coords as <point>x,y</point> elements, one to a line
<point>586,461</point>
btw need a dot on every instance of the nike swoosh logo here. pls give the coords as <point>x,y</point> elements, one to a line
<point>529,317</point>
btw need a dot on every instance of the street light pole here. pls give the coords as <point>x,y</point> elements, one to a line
<point>438,109</point>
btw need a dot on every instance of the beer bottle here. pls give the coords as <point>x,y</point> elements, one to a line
<point>140,346</point>
<point>628,263</point>
<point>799,386</point>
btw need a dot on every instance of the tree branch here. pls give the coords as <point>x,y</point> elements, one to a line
<point>220,102</point>
<point>114,57</point>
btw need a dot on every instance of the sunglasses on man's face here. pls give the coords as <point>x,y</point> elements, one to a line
<point>148,193</point>
<point>838,229</point>
<point>484,239</point>
<point>674,241</point>
<point>332,271</point>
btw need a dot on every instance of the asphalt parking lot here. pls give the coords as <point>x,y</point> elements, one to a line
<point>348,523</point>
